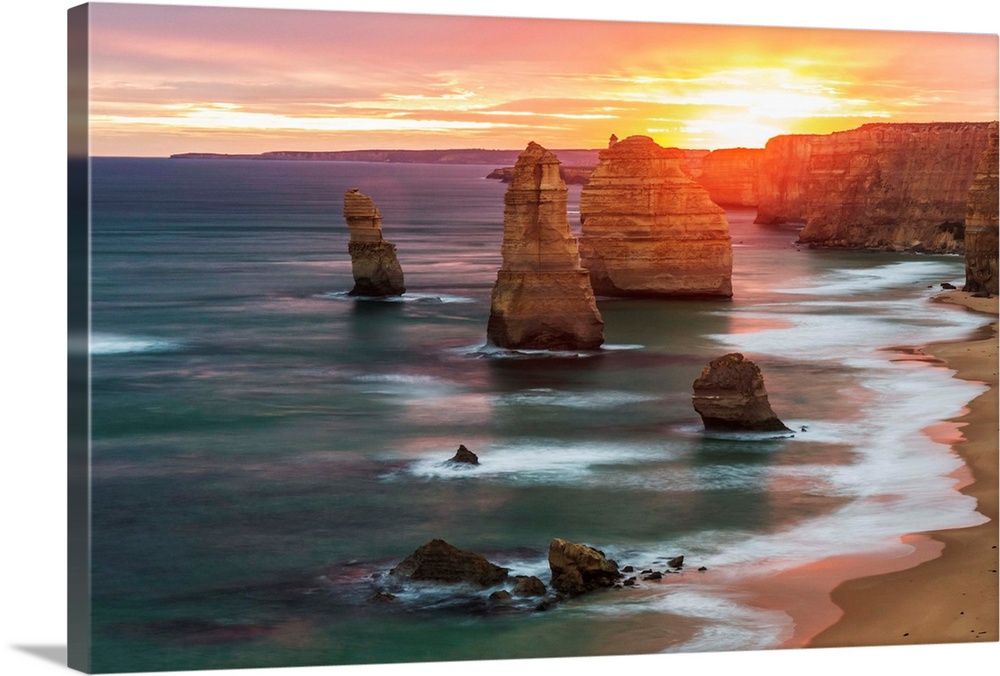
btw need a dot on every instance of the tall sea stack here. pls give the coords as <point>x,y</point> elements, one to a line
<point>981,240</point>
<point>373,260</point>
<point>542,299</point>
<point>649,230</point>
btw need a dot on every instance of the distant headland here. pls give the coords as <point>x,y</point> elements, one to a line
<point>580,157</point>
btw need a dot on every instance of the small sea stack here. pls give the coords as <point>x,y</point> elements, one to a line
<point>578,568</point>
<point>542,298</point>
<point>464,456</point>
<point>373,260</point>
<point>981,223</point>
<point>649,230</point>
<point>729,395</point>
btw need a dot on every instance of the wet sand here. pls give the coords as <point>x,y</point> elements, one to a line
<point>946,591</point>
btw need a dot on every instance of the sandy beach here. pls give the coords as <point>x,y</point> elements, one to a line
<point>946,591</point>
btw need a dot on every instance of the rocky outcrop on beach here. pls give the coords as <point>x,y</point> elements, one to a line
<point>981,236</point>
<point>578,568</point>
<point>881,186</point>
<point>649,230</point>
<point>438,561</point>
<point>729,395</point>
<point>373,260</point>
<point>731,176</point>
<point>542,298</point>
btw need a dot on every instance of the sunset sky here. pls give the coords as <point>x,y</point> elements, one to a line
<point>172,79</point>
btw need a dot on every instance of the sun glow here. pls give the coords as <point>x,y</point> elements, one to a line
<point>162,82</point>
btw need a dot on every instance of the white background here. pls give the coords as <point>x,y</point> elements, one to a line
<point>33,328</point>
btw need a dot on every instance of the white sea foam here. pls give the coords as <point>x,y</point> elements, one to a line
<point>548,461</point>
<point>115,343</point>
<point>408,297</point>
<point>579,400</point>
<point>853,281</point>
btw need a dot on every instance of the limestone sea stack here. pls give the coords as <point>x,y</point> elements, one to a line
<point>981,240</point>
<point>542,299</point>
<point>729,395</point>
<point>373,260</point>
<point>730,175</point>
<point>649,230</point>
<point>881,186</point>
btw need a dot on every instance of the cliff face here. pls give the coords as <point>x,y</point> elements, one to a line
<point>981,222</point>
<point>731,176</point>
<point>373,260</point>
<point>649,230</point>
<point>542,298</point>
<point>881,186</point>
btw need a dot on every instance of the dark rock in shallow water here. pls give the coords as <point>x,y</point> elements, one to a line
<point>655,575</point>
<point>628,569</point>
<point>676,562</point>
<point>729,395</point>
<point>947,286</point>
<point>528,585</point>
<point>702,569</point>
<point>466,456</point>
<point>438,561</point>
<point>502,596</point>
<point>381,597</point>
<point>577,568</point>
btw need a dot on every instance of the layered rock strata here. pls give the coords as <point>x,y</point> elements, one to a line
<point>649,230</point>
<point>981,223</point>
<point>542,299</point>
<point>731,176</point>
<point>880,186</point>
<point>729,395</point>
<point>373,260</point>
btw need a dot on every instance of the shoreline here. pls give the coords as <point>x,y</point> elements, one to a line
<point>945,591</point>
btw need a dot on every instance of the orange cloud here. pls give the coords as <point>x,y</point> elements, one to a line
<point>164,78</point>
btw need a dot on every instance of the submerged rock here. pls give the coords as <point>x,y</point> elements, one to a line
<point>438,561</point>
<point>465,456</point>
<point>373,260</point>
<point>577,568</point>
<point>542,298</point>
<point>729,395</point>
<point>528,585</point>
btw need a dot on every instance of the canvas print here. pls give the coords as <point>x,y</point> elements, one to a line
<point>402,338</point>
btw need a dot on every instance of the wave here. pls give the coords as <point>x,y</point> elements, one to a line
<point>855,281</point>
<point>114,343</point>
<point>428,298</point>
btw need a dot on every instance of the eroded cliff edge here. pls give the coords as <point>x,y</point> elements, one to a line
<point>981,222</point>
<point>881,186</point>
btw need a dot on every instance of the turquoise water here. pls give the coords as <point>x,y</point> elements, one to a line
<point>265,447</point>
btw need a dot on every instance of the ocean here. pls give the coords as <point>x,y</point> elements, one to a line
<point>265,447</point>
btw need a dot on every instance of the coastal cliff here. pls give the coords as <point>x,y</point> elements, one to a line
<point>880,186</point>
<point>373,260</point>
<point>542,298</point>
<point>981,223</point>
<point>648,229</point>
<point>731,176</point>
